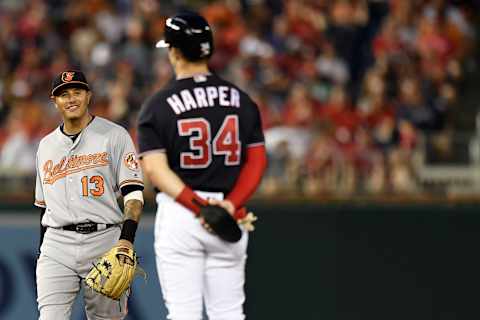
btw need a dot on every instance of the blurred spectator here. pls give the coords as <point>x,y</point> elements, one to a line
<point>346,88</point>
<point>327,171</point>
<point>18,150</point>
<point>299,110</point>
<point>331,67</point>
<point>368,164</point>
<point>387,43</point>
<point>402,179</point>
<point>412,105</point>
<point>339,113</point>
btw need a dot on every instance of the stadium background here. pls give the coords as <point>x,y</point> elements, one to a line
<point>370,109</point>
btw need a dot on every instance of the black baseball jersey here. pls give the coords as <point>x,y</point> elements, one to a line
<point>204,124</point>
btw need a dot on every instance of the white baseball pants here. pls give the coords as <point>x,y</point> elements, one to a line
<point>196,267</point>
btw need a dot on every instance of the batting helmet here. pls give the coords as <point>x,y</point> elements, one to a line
<point>190,33</point>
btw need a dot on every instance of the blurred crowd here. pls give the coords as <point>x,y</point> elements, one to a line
<point>346,88</point>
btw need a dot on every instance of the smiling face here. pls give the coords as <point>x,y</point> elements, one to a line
<point>72,103</point>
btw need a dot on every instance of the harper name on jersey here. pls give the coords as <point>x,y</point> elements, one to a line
<point>206,124</point>
<point>202,97</point>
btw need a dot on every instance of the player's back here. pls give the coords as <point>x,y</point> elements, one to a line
<point>204,124</point>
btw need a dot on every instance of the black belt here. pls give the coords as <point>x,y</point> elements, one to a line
<point>87,227</point>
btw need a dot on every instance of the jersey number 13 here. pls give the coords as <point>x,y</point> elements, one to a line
<point>225,143</point>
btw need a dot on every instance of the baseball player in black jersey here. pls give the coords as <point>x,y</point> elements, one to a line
<point>200,142</point>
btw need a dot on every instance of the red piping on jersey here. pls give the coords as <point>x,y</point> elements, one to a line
<point>250,175</point>
<point>190,200</point>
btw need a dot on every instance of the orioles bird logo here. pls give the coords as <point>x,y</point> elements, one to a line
<point>67,76</point>
<point>131,161</point>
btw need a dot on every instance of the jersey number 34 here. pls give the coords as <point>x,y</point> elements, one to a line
<point>225,143</point>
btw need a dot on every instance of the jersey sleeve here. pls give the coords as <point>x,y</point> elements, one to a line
<point>127,170</point>
<point>150,136</point>
<point>256,137</point>
<point>39,197</point>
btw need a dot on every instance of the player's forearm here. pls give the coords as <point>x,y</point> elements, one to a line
<point>133,210</point>
<point>167,181</point>
<point>132,213</point>
<point>156,168</point>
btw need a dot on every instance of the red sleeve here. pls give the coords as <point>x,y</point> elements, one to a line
<point>250,175</point>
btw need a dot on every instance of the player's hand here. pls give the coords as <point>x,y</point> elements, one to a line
<point>109,276</point>
<point>247,221</point>
<point>124,259</point>
<point>205,225</point>
<point>217,220</point>
<point>225,204</point>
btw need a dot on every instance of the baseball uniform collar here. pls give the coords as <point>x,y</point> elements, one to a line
<point>195,75</point>
<point>82,133</point>
<point>66,138</point>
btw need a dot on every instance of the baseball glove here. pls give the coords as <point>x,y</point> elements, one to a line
<point>221,223</point>
<point>113,272</point>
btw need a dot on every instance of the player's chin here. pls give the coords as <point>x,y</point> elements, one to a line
<point>73,114</point>
<point>69,116</point>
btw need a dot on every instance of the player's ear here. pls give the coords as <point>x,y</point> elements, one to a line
<point>52,97</point>
<point>174,54</point>
<point>89,96</point>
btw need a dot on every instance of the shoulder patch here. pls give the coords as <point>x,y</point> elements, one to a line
<point>131,162</point>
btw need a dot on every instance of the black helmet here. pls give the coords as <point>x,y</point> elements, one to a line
<point>190,33</point>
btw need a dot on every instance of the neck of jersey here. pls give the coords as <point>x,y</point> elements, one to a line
<point>75,135</point>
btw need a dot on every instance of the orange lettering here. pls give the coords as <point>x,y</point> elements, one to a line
<point>58,166</point>
<point>73,164</point>
<point>47,169</point>
<point>104,157</point>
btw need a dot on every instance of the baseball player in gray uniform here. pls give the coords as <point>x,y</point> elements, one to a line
<point>82,167</point>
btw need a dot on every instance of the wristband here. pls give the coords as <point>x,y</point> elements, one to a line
<point>129,229</point>
<point>240,213</point>
<point>133,195</point>
<point>190,200</point>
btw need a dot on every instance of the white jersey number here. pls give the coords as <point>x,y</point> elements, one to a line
<point>226,142</point>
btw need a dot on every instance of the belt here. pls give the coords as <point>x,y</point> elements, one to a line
<point>87,227</point>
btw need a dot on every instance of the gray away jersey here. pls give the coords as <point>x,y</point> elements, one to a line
<point>80,181</point>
